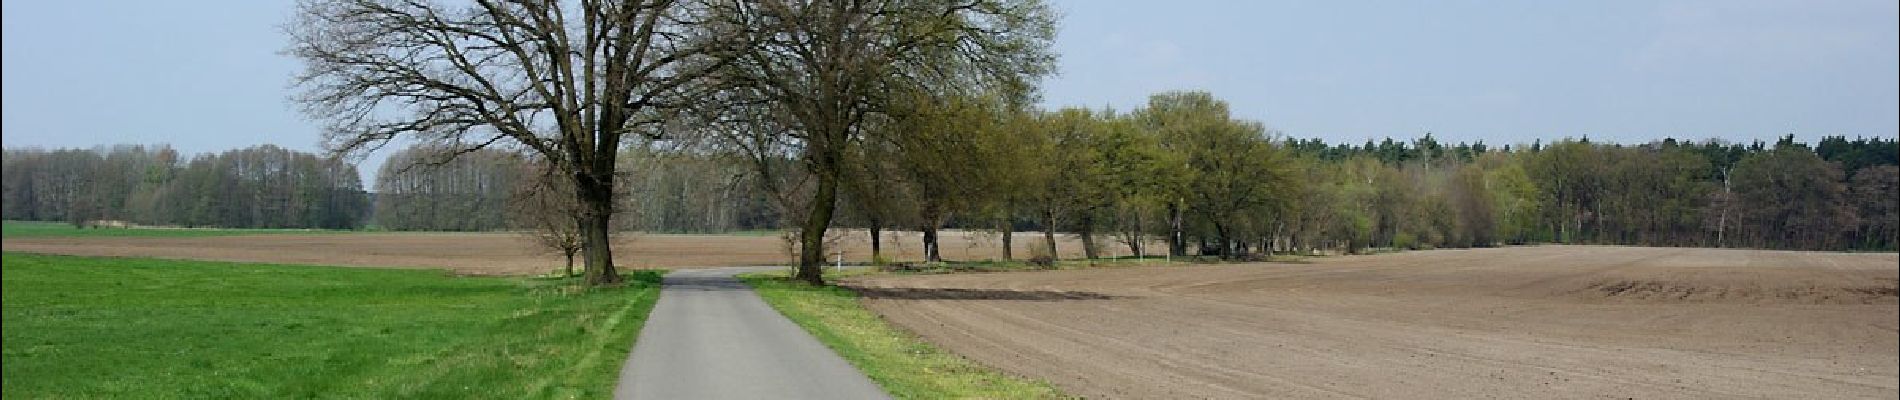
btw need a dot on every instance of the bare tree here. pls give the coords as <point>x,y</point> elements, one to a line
<point>544,205</point>
<point>565,81</point>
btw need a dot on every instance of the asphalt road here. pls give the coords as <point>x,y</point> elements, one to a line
<point>711,337</point>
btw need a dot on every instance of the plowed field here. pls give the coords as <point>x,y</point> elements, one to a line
<point>1525,322</point>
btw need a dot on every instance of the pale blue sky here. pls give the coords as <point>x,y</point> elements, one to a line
<point>1500,71</point>
<point>206,76</point>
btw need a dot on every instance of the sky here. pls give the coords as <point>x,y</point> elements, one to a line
<point>208,76</point>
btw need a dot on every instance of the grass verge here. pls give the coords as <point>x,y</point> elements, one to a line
<point>90,327</point>
<point>903,364</point>
<point>38,229</point>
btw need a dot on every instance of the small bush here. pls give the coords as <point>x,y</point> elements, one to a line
<point>1039,250</point>
<point>1042,261</point>
<point>1405,240</point>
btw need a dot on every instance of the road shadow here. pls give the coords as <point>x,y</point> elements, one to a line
<point>978,294</point>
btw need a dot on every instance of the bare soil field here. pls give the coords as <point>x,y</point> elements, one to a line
<point>513,254</point>
<point>1524,322</point>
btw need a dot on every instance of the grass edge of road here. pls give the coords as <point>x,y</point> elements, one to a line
<point>141,327</point>
<point>903,364</point>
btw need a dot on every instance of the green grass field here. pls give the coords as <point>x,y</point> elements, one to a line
<point>33,229</point>
<point>84,327</point>
<point>901,363</point>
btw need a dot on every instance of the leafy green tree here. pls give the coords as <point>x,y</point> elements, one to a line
<point>824,72</point>
<point>1874,190</point>
<point>945,158</point>
<point>1239,177</point>
<point>1517,200</point>
<point>1068,175</point>
<point>1791,198</point>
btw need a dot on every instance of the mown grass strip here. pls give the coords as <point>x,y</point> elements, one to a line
<point>93,327</point>
<point>903,364</point>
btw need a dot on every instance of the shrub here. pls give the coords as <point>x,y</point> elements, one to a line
<point>1405,240</point>
<point>1042,261</point>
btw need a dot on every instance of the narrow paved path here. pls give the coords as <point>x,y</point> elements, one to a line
<point>711,337</point>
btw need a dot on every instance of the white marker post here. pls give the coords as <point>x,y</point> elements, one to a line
<point>840,262</point>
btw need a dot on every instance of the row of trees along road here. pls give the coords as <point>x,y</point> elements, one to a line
<point>257,187</point>
<point>569,83</point>
<point>1184,171</point>
<point>916,114</point>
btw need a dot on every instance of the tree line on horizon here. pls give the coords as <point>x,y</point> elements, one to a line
<point>484,190</point>
<point>416,190</point>
<point>1179,171</point>
<point>256,187</point>
<point>1836,194</point>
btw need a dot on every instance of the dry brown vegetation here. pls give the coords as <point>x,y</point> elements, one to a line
<point>1526,322</point>
<point>513,254</point>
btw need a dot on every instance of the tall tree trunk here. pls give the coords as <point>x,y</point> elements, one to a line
<point>1133,241</point>
<point>597,200</point>
<point>1721,226</point>
<point>1088,245</point>
<point>877,241</point>
<point>1177,242</point>
<point>932,249</point>
<point>1134,246</point>
<point>1226,243</point>
<point>1007,239</point>
<point>1087,231</point>
<point>811,236</point>
<point>932,217</point>
<point>570,263</point>
<point>1049,233</point>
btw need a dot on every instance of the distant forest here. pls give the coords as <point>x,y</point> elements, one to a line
<point>675,192</point>
<point>257,187</point>
<point>1836,194</point>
